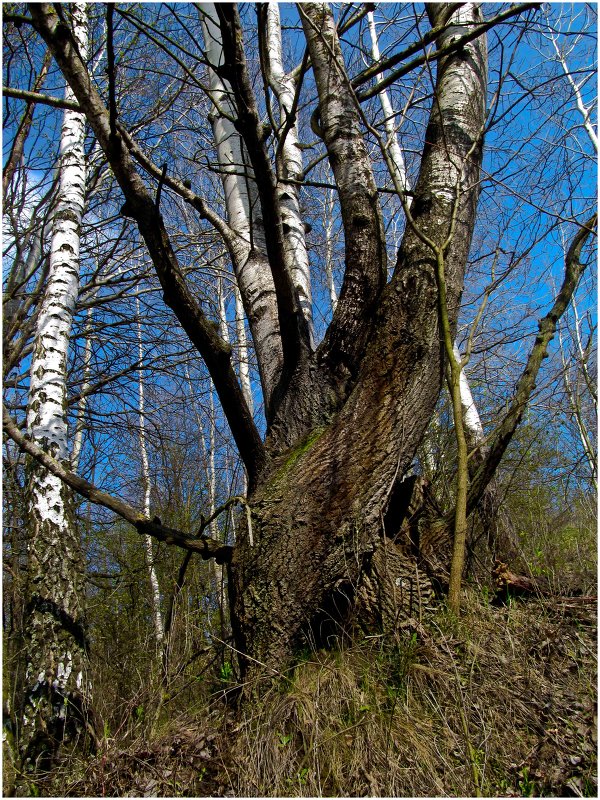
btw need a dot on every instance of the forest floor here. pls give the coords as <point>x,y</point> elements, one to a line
<point>500,703</point>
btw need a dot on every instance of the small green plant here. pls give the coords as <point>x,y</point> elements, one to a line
<point>226,672</point>
<point>394,666</point>
<point>300,779</point>
<point>302,775</point>
<point>526,785</point>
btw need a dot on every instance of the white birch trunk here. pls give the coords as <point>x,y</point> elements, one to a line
<point>396,158</point>
<point>245,217</point>
<point>329,206</point>
<point>244,362</point>
<point>284,87</point>
<point>581,107</point>
<point>214,526</point>
<point>56,654</point>
<point>159,630</point>
<point>471,418</point>
<point>217,569</point>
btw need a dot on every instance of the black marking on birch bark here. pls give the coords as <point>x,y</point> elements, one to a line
<point>43,605</point>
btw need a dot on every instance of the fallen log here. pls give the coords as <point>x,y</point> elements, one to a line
<point>508,584</point>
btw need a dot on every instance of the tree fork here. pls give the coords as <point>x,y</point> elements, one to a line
<point>294,327</point>
<point>316,511</point>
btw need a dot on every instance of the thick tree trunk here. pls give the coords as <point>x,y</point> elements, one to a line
<point>57,693</point>
<point>317,514</point>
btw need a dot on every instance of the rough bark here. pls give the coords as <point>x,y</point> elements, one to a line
<point>500,538</point>
<point>348,418</point>
<point>323,380</point>
<point>365,254</point>
<point>316,518</point>
<point>57,693</point>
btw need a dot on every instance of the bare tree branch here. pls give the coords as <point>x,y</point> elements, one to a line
<point>574,269</point>
<point>18,145</point>
<point>423,41</point>
<point>36,97</point>
<point>140,205</point>
<point>204,546</point>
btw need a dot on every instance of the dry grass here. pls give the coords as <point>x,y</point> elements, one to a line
<point>183,760</point>
<point>498,703</point>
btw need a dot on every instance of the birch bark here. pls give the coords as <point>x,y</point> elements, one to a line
<point>250,262</point>
<point>244,362</point>
<point>159,632</point>
<point>584,110</point>
<point>216,569</point>
<point>284,87</point>
<point>392,145</point>
<point>328,225</point>
<point>208,451</point>
<point>57,691</point>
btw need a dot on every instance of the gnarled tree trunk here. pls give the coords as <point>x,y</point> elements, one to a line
<point>328,488</point>
<point>317,512</point>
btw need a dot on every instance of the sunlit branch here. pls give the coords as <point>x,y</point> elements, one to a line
<point>204,546</point>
